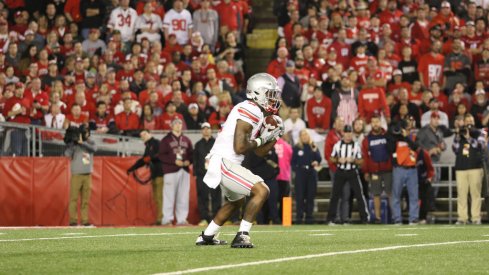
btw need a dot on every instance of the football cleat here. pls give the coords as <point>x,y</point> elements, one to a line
<point>242,240</point>
<point>209,240</point>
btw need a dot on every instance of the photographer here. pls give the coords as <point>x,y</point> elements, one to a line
<point>80,150</point>
<point>150,158</point>
<point>468,146</point>
<point>404,156</point>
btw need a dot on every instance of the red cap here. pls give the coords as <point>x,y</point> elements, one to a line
<point>19,85</point>
<point>93,30</point>
<point>172,35</point>
<point>18,14</point>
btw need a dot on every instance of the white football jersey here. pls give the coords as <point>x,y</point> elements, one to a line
<point>178,24</point>
<point>247,111</point>
<point>152,22</point>
<point>124,21</point>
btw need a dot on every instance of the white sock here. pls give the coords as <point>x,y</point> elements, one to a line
<point>212,229</point>
<point>245,226</point>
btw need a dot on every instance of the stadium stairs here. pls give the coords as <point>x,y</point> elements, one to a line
<point>261,41</point>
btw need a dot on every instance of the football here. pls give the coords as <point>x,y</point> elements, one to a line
<point>269,123</point>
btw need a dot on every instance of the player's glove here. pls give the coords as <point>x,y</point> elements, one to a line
<point>268,136</point>
<point>280,125</point>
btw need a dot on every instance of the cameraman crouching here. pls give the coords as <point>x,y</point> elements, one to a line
<point>80,150</point>
<point>468,146</point>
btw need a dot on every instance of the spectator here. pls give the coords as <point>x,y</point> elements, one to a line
<point>410,108</point>
<point>430,65</point>
<point>80,151</point>
<point>403,150</point>
<point>276,67</point>
<point>434,108</point>
<point>149,24</point>
<point>371,101</point>
<point>75,118</point>
<point>178,21</point>
<point>127,121</point>
<point>148,120</point>
<point>408,66</point>
<point>169,115</point>
<point>284,154</point>
<point>426,173</point>
<point>206,21</point>
<point>123,19</point>
<point>481,68</point>
<point>289,83</point>
<point>93,45</point>
<point>194,118</point>
<point>319,111</point>
<point>294,124</point>
<point>176,155</point>
<point>39,101</point>
<point>218,118</point>
<point>101,121</point>
<point>344,102</point>
<point>202,148</point>
<point>92,15</point>
<point>347,157</point>
<point>17,109</point>
<point>468,146</point>
<point>54,119</point>
<point>150,158</point>
<point>305,159</point>
<point>377,166</point>
<point>457,66</point>
<point>479,108</point>
<point>334,135</point>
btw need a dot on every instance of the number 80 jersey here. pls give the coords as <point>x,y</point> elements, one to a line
<point>247,111</point>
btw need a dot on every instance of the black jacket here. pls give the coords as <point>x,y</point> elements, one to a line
<point>202,148</point>
<point>262,166</point>
<point>150,158</point>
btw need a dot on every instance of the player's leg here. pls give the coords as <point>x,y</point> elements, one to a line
<point>259,194</point>
<point>234,202</point>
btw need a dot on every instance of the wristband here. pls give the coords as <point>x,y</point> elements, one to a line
<point>258,142</point>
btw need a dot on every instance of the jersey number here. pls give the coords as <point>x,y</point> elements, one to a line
<point>124,20</point>
<point>179,24</point>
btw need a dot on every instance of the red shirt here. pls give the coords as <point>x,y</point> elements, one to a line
<point>22,117</point>
<point>331,139</point>
<point>343,53</point>
<point>165,120</point>
<point>228,15</point>
<point>276,67</point>
<point>77,122</point>
<point>43,99</point>
<point>431,68</point>
<point>73,8</point>
<point>416,98</point>
<point>127,121</point>
<point>372,101</point>
<point>319,113</point>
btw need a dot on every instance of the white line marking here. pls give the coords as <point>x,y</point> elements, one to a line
<point>323,234</point>
<point>406,235</point>
<point>2,233</point>
<point>312,256</point>
<point>73,234</point>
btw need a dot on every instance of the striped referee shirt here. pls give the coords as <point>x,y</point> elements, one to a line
<point>346,150</point>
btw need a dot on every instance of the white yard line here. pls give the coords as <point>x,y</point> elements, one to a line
<point>312,256</point>
<point>322,234</point>
<point>405,235</point>
<point>73,234</point>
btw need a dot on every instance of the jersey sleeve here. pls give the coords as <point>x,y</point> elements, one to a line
<point>167,20</point>
<point>249,113</point>
<point>334,152</point>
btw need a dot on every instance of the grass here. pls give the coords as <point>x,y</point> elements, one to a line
<point>155,250</point>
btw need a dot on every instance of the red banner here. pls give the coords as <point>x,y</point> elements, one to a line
<point>35,191</point>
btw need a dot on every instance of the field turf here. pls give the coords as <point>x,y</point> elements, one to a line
<point>321,249</point>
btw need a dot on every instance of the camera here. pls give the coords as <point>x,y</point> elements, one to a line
<point>72,135</point>
<point>469,130</point>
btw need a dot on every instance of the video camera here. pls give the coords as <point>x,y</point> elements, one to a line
<point>72,135</point>
<point>469,130</point>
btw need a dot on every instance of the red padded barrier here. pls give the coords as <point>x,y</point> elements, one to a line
<point>35,191</point>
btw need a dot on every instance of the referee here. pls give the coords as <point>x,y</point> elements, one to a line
<point>347,156</point>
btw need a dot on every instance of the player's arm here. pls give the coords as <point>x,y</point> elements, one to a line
<point>262,151</point>
<point>242,138</point>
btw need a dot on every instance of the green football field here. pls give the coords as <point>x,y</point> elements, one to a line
<point>320,249</point>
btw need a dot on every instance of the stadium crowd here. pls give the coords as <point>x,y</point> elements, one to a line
<point>378,71</point>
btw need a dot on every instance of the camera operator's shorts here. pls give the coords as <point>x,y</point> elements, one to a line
<point>237,181</point>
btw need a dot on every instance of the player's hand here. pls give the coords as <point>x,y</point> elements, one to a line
<point>350,160</point>
<point>314,164</point>
<point>271,135</point>
<point>280,124</point>
<point>186,163</point>
<point>179,163</point>
<point>342,160</point>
